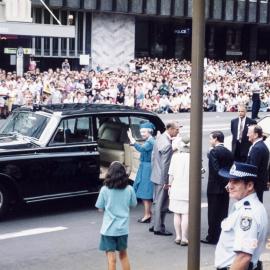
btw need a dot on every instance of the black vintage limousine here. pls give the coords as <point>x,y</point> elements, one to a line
<point>59,151</point>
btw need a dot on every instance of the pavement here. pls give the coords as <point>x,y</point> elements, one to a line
<point>65,234</point>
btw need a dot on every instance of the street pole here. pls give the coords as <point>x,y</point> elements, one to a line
<point>197,58</point>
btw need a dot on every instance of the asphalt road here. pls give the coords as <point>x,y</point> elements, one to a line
<point>65,234</point>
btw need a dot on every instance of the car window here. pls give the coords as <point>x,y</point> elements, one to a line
<point>112,119</point>
<point>113,129</point>
<point>74,130</point>
<point>265,124</point>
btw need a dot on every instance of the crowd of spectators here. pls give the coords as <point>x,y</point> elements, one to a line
<point>159,85</point>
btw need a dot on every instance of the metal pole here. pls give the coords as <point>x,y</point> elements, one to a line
<point>198,28</point>
<point>42,2</point>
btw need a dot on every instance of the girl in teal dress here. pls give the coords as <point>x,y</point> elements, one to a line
<point>143,185</point>
<point>115,198</point>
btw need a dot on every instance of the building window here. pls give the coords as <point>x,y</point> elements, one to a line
<point>47,17</point>
<point>55,46</point>
<point>38,46</point>
<point>46,46</point>
<point>56,14</point>
<point>72,40</point>
<point>88,33</point>
<point>122,5</point>
<point>165,8</point>
<point>80,32</point>
<point>38,15</point>
<point>64,40</point>
<point>106,5</point>
<point>263,12</point>
<point>64,17</point>
<point>229,10</point>
<point>136,6</point>
<point>151,7</point>
<point>179,6</point>
<point>241,10</point>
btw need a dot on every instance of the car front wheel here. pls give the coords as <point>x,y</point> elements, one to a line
<point>4,201</point>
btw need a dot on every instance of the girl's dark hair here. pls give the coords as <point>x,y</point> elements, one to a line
<point>116,176</point>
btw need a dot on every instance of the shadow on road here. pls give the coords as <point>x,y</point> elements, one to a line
<point>50,208</point>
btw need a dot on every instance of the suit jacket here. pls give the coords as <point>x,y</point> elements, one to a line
<point>219,157</point>
<point>245,143</point>
<point>259,156</point>
<point>161,158</point>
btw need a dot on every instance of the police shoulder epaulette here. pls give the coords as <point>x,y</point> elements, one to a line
<point>247,205</point>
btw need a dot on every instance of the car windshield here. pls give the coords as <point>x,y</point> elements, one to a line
<point>28,124</point>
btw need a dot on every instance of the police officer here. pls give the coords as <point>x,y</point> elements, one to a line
<point>256,101</point>
<point>244,231</point>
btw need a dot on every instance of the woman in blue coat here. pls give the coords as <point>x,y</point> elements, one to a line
<point>142,185</point>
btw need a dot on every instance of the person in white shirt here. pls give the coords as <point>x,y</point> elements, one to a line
<point>256,101</point>
<point>164,104</point>
<point>3,96</point>
<point>56,96</point>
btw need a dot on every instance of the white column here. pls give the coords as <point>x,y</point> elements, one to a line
<point>76,35</point>
<point>68,13</point>
<point>33,38</point>
<point>42,39</point>
<point>51,39</point>
<point>84,31</point>
<point>59,39</point>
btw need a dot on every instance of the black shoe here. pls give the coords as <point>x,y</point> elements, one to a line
<point>206,241</point>
<point>163,233</point>
<point>141,220</point>
<point>151,229</point>
<point>184,243</point>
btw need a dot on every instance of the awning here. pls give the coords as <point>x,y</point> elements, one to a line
<point>35,29</point>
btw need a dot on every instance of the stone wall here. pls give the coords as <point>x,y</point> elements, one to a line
<point>113,40</point>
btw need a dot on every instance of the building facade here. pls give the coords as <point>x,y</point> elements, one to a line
<point>114,31</point>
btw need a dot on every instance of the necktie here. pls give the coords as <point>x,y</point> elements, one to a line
<point>241,130</point>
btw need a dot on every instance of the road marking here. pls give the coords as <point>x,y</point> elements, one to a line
<point>265,257</point>
<point>31,232</point>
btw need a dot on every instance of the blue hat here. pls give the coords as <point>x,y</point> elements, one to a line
<point>241,171</point>
<point>147,125</point>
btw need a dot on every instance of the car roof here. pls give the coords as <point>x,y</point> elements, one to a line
<point>78,108</point>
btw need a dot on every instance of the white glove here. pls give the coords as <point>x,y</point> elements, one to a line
<point>131,139</point>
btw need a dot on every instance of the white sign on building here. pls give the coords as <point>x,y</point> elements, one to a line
<point>84,59</point>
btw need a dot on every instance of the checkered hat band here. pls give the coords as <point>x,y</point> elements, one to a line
<point>242,174</point>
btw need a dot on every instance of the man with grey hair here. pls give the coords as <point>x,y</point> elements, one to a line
<point>239,129</point>
<point>161,158</point>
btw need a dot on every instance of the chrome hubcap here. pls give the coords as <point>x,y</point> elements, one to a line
<point>1,199</point>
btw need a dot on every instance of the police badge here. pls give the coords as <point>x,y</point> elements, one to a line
<point>245,223</point>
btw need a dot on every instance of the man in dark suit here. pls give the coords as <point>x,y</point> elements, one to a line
<point>217,196</point>
<point>259,156</point>
<point>239,129</point>
<point>161,158</point>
